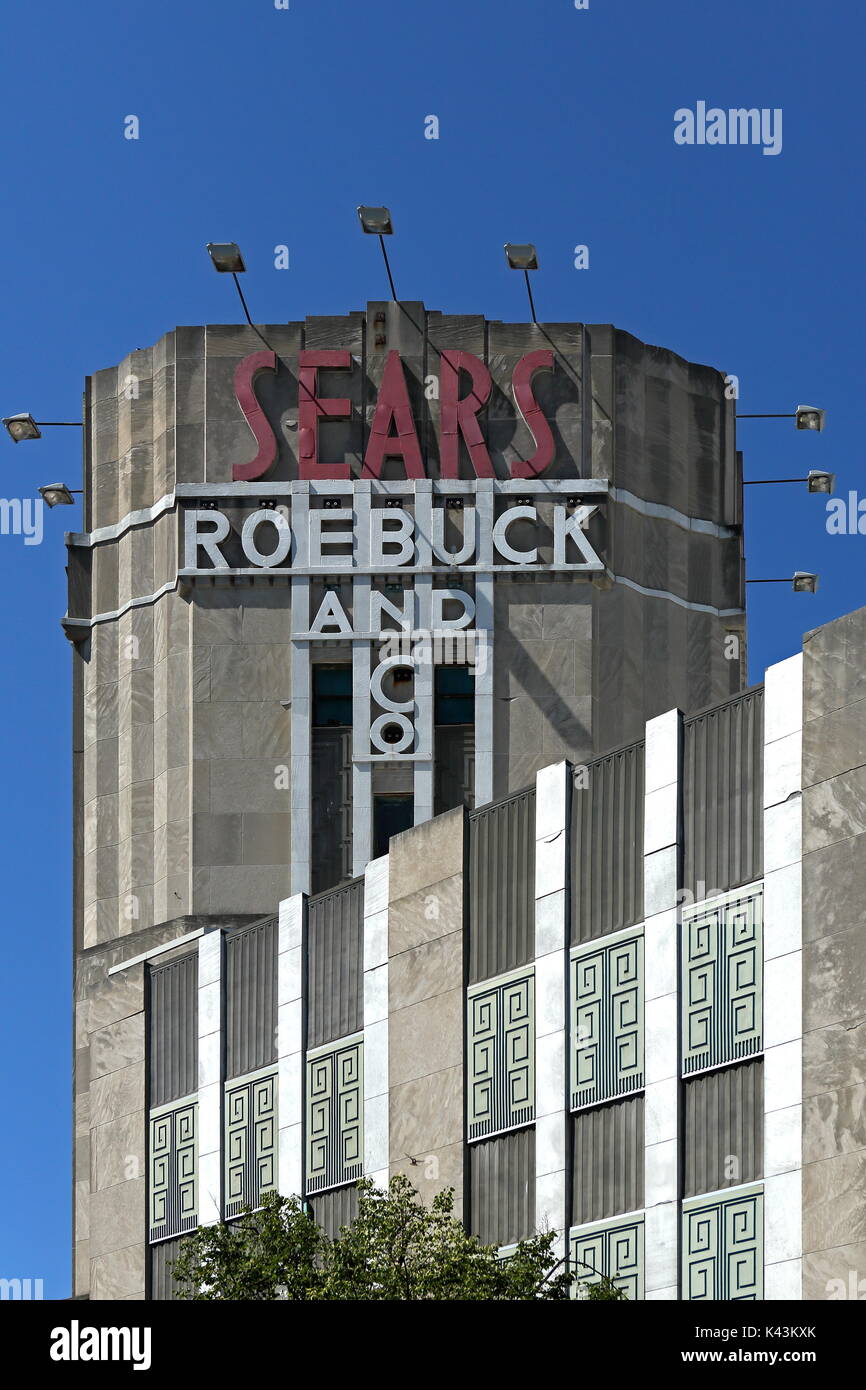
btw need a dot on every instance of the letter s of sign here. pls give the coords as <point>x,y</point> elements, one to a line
<point>245,374</point>
<point>521,385</point>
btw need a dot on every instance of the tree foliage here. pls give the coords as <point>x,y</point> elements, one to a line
<point>396,1249</point>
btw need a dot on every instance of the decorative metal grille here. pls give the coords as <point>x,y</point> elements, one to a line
<point>607,1019</point>
<point>723,1246</point>
<point>251,1140</point>
<point>335,1093</point>
<point>501,1028</point>
<point>613,1248</point>
<point>722,969</point>
<point>173,1169</point>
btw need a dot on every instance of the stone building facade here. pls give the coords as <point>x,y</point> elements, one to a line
<point>306,872</point>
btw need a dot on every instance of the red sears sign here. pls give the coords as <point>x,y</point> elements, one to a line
<point>463,388</point>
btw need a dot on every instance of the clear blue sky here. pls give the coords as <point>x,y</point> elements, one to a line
<point>268,126</point>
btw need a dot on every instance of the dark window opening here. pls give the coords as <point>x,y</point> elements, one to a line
<point>391,815</point>
<point>331,787</point>
<point>332,696</point>
<point>455,695</point>
<point>454,717</point>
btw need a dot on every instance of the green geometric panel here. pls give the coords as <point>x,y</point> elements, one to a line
<point>721,987</point>
<point>501,1029</point>
<point>173,1189</point>
<point>606,1024</point>
<point>723,1245</point>
<point>335,1128</point>
<point>251,1138</point>
<point>614,1248</point>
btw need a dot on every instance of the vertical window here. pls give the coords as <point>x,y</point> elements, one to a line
<point>173,1101</point>
<point>173,1164</point>
<point>332,695</point>
<point>723,1245</point>
<point>614,1249</point>
<point>251,1123</point>
<point>721,985</point>
<point>454,720</point>
<point>391,816</point>
<point>454,695</point>
<point>501,1046</point>
<point>335,1114</point>
<point>607,1047</point>
<point>251,1141</point>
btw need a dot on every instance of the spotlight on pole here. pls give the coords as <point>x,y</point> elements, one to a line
<point>226,257</point>
<point>25,427</point>
<point>809,417</point>
<point>801,582</point>
<point>377,222</point>
<point>59,495</point>
<point>22,427</point>
<point>228,260</point>
<point>523,257</point>
<point>818,481</point>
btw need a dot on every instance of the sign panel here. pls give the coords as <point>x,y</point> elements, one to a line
<point>382,539</point>
<point>338,415</point>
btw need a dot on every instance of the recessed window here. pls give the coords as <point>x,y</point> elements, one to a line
<point>455,695</point>
<point>391,815</point>
<point>332,696</point>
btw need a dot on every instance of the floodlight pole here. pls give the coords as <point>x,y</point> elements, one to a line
<point>247,312</point>
<point>388,268</point>
<point>241,297</point>
<point>529,292</point>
